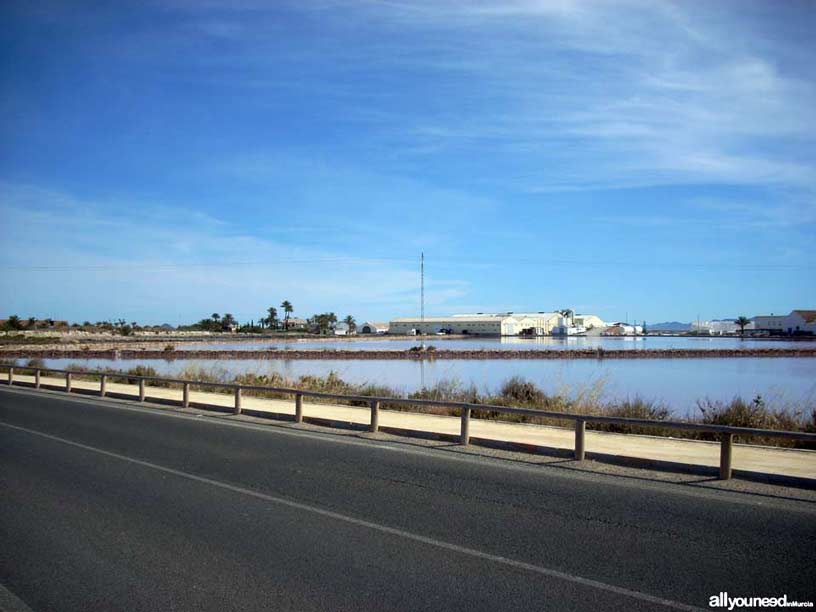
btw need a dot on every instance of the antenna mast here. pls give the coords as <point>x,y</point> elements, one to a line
<point>422,297</point>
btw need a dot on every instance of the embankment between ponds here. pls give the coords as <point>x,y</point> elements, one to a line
<point>324,354</point>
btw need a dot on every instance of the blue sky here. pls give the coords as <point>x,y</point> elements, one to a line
<point>165,160</point>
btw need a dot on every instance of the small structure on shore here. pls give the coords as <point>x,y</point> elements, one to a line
<point>374,327</point>
<point>623,329</point>
<point>342,329</point>
<point>567,325</point>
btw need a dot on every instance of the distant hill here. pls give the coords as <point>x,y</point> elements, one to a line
<point>668,326</point>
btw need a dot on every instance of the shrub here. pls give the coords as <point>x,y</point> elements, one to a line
<point>522,391</point>
<point>331,383</point>
<point>142,370</point>
<point>757,414</point>
<point>737,413</point>
<point>635,408</point>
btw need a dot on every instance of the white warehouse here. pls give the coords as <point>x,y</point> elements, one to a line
<point>797,322</point>
<point>485,325</point>
<point>499,324</point>
<point>374,327</point>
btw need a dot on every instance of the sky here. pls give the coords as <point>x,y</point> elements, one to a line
<point>165,160</point>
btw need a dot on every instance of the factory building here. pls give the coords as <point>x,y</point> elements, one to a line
<point>623,329</point>
<point>481,324</point>
<point>589,321</point>
<point>532,323</point>
<point>374,327</point>
<point>796,323</point>
<point>721,327</point>
<point>769,323</point>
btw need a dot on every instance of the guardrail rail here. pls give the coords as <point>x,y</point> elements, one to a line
<point>725,432</point>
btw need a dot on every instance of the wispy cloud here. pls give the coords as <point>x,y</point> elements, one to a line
<point>575,94</point>
<point>183,265</point>
<point>510,138</point>
<point>649,92</point>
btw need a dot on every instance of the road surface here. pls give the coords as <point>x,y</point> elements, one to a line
<point>107,506</point>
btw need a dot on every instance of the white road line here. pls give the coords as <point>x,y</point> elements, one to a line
<point>9,602</point>
<point>471,552</point>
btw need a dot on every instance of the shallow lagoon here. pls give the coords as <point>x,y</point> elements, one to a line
<point>677,382</point>
<point>401,343</point>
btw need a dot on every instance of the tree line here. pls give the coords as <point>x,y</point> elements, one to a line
<point>271,320</point>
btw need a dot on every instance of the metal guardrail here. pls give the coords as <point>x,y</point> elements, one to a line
<point>726,432</point>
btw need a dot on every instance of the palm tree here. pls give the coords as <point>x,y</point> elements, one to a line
<point>352,324</point>
<point>228,321</point>
<point>215,317</point>
<point>273,317</point>
<point>742,322</point>
<point>14,322</point>
<point>287,310</point>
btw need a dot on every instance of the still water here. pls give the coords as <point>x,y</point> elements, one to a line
<point>678,383</point>
<point>498,343</point>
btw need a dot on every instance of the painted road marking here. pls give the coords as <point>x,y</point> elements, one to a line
<point>471,552</point>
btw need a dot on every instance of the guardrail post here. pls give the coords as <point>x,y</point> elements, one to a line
<point>141,389</point>
<point>375,416</point>
<point>726,443</point>
<point>102,386</point>
<point>237,400</point>
<point>185,395</point>
<point>67,382</point>
<point>298,407</point>
<point>464,437</point>
<point>580,435</point>
<point>36,379</point>
<point>11,376</point>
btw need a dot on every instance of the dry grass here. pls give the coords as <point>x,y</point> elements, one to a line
<point>516,391</point>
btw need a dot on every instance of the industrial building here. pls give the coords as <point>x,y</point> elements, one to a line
<point>572,324</point>
<point>796,323</point>
<point>484,324</point>
<point>530,323</point>
<point>721,327</point>
<point>374,327</point>
<point>623,329</point>
<point>589,321</point>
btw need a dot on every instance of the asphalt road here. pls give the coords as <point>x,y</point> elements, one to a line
<point>108,507</point>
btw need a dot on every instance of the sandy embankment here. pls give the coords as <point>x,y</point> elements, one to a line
<point>148,353</point>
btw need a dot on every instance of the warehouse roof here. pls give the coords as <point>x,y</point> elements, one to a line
<point>459,319</point>
<point>808,315</point>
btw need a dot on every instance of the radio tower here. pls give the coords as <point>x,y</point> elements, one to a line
<point>422,299</point>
